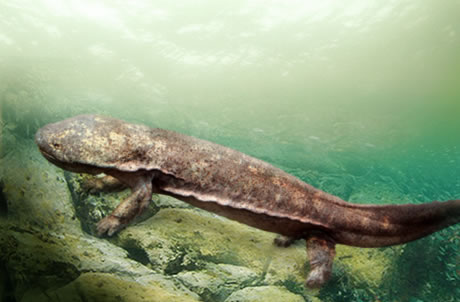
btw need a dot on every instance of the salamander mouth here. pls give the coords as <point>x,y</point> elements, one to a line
<point>49,157</point>
<point>70,166</point>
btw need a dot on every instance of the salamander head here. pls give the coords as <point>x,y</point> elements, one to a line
<point>75,144</point>
<point>94,143</point>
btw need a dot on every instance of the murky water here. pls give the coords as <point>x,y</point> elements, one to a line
<point>358,98</point>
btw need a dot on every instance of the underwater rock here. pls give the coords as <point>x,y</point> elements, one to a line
<point>288,266</point>
<point>36,193</point>
<point>366,267</point>
<point>4,286</point>
<point>217,281</point>
<point>212,255</point>
<point>99,287</point>
<point>186,239</point>
<point>45,260</point>
<point>264,294</point>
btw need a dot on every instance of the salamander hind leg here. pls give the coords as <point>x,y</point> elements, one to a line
<point>130,208</point>
<point>321,252</point>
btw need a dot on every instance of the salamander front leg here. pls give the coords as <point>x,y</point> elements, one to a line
<point>129,208</point>
<point>321,252</point>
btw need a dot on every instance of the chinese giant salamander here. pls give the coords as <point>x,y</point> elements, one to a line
<point>224,181</point>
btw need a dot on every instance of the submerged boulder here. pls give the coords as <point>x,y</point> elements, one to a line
<point>96,287</point>
<point>263,294</point>
<point>34,193</point>
<point>215,282</point>
<point>210,255</point>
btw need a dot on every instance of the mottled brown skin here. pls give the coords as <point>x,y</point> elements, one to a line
<point>231,184</point>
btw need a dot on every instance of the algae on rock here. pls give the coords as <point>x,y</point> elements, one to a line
<point>36,193</point>
<point>264,294</point>
<point>217,281</point>
<point>96,287</point>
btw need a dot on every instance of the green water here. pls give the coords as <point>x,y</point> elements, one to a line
<point>358,98</point>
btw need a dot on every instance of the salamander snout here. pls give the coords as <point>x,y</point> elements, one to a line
<point>47,146</point>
